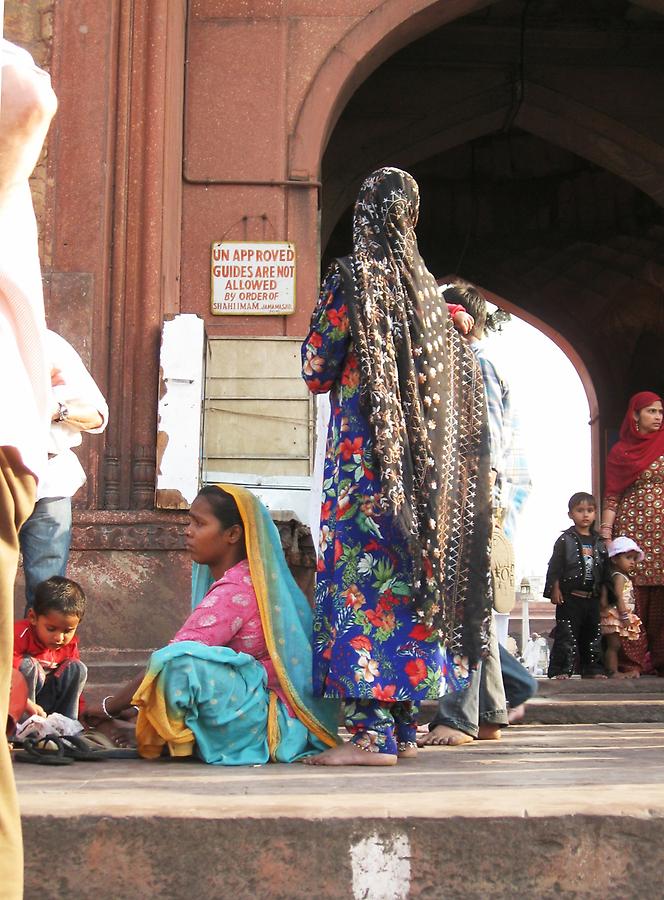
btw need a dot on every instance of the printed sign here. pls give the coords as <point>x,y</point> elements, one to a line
<point>253,278</point>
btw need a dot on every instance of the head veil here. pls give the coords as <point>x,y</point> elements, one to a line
<point>635,450</point>
<point>422,391</point>
<point>285,616</point>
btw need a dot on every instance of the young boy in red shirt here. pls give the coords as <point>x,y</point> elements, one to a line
<point>46,648</point>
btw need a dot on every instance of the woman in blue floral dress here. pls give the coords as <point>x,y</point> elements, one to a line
<point>402,585</point>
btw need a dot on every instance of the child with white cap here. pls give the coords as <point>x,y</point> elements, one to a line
<point>617,617</point>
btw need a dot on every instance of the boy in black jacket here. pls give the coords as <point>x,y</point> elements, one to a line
<point>577,570</point>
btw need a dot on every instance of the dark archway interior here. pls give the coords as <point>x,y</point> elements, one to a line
<point>536,133</point>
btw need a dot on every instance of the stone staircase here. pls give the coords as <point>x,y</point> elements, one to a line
<point>532,815</point>
<point>585,701</point>
<point>571,812</point>
<point>109,669</point>
<point>574,702</point>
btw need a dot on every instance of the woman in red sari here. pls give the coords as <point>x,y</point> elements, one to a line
<point>634,506</point>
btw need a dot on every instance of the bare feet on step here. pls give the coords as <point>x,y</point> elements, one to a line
<point>443,736</point>
<point>488,732</point>
<point>406,750</point>
<point>516,713</point>
<point>122,734</point>
<point>348,754</point>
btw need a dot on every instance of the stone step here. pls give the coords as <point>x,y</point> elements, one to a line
<point>549,811</point>
<point>594,711</point>
<point>110,669</point>
<point>597,687</point>
<point>590,701</point>
<point>573,701</point>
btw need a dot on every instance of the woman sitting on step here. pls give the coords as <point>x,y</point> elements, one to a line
<point>234,685</point>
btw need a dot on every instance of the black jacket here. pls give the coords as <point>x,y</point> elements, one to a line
<point>566,564</point>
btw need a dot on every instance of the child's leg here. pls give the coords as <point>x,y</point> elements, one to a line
<point>34,676</point>
<point>63,688</point>
<point>590,640</point>
<point>611,655</point>
<point>563,652</point>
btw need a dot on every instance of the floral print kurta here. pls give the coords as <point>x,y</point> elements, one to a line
<point>368,641</point>
<point>640,515</point>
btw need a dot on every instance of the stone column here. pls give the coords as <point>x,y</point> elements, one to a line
<point>146,221</point>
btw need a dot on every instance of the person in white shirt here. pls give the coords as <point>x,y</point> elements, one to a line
<point>27,105</point>
<point>77,406</point>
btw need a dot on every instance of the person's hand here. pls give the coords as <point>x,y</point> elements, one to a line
<point>35,709</point>
<point>606,532</point>
<point>93,715</point>
<point>463,321</point>
<point>56,377</point>
<point>623,614</point>
<point>556,596</point>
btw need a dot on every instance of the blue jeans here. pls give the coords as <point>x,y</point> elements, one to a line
<point>45,539</point>
<point>483,701</point>
<point>56,690</point>
<point>519,684</point>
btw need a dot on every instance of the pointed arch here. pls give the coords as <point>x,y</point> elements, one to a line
<point>564,345</point>
<point>363,48</point>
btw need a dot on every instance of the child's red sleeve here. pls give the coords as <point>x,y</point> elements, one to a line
<point>454,308</point>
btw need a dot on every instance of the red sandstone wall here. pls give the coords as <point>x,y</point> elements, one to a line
<point>145,168</point>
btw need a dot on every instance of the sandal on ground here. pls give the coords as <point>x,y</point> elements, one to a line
<point>77,746</point>
<point>48,751</point>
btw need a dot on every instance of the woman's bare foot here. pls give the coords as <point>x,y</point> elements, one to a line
<point>561,677</point>
<point>122,734</point>
<point>488,732</point>
<point>516,713</point>
<point>444,736</point>
<point>348,754</point>
<point>600,675</point>
<point>406,750</point>
<point>618,675</point>
<point>633,673</point>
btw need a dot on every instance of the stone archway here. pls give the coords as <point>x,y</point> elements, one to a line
<point>579,365</point>
<point>555,118</point>
<point>575,288</point>
<point>362,49</point>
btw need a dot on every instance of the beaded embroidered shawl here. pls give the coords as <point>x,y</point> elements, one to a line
<point>422,392</point>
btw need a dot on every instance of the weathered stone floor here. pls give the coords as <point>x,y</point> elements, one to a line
<point>549,811</point>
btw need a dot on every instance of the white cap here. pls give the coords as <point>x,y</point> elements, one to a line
<point>624,544</point>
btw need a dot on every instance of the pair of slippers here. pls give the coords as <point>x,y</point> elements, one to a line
<point>62,750</point>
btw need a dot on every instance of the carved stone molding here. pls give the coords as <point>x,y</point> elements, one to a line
<point>142,530</point>
<point>128,530</point>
